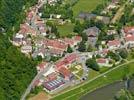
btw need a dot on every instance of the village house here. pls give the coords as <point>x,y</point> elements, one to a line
<point>129,41</point>
<point>51,2</point>
<point>67,60</point>
<point>114,44</point>
<point>53,84</point>
<point>92,34</point>
<point>30,15</point>
<point>38,83</point>
<point>28,29</point>
<point>112,32</point>
<point>72,41</point>
<point>26,49</point>
<point>51,76</point>
<point>41,66</point>
<point>128,30</point>
<point>65,73</point>
<point>103,19</point>
<point>85,15</point>
<point>45,52</point>
<point>111,6</point>
<point>18,39</point>
<point>56,44</point>
<point>103,53</point>
<point>102,62</point>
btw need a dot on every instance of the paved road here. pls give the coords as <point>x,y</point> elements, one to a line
<point>39,75</point>
<point>101,75</point>
<point>83,58</point>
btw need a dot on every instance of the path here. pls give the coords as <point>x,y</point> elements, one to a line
<point>101,75</point>
<point>108,92</point>
<point>119,13</point>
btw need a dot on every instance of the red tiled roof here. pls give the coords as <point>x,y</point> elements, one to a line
<point>36,83</point>
<point>64,71</point>
<point>55,44</point>
<point>30,15</point>
<point>105,51</point>
<point>129,38</point>
<point>101,60</point>
<point>67,60</point>
<point>60,64</point>
<point>52,76</point>
<point>70,58</point>
<point>69,41</point>
<point>128,29</point>
<point>77,38</point>
<point>27,29</point>
<point>113,43</point>
<point>42,65</point>
<point>56,51</point>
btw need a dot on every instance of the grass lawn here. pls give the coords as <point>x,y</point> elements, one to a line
<point>85,5</point>
<point>112,76</point>
<point>92,74</point>
<point>104,69</point>
<point>80,73</point>
<point>66,29</point>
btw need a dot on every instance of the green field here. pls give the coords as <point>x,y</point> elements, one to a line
<point>66,29</point>
<point>85,5</point>
<point>112,76</point>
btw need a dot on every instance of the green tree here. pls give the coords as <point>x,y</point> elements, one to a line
<point>90,48</point>
<point>91,63</point>
<point>69,49</point>
<point>82,46</point>
<point>113,56</point>
<point>78,28</point>
<point>123,53</point>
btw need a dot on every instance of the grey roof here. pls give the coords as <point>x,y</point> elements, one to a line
<point>85,15</point>
<point>92,31</point>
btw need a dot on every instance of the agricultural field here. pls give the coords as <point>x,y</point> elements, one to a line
<point>85,5</point>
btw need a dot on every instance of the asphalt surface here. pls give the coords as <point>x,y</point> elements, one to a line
<point>83,57</point>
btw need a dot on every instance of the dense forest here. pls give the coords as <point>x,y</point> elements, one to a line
<point>16,70</point>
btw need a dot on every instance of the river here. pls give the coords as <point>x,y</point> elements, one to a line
<point>107,92</point>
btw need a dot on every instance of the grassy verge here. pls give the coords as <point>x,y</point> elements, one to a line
<point>112,76</point>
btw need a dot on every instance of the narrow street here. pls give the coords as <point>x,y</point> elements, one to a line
<point>119,13</point>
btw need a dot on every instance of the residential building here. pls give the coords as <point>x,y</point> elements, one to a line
<point>65,73</point>
<point>129,41</point>
<point>67,60</point>
<point>42,66</point>
<point>26,49</point>
<point>128,30</point>
<point>53,84</point>
<point>18,39</point>
<point>92,34</point>
<point>102,62</point>
<point>114,44</point>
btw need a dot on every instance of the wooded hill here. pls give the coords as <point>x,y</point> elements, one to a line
<point>16,70</point>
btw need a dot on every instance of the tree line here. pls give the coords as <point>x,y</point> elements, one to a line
<point>16,70</point>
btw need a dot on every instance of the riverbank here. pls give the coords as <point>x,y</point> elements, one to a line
<point>102,80</point>
<point>107,92</point>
